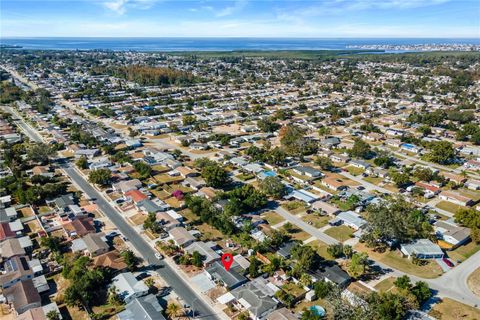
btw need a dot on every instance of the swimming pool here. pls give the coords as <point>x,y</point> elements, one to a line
<point>318,310</point>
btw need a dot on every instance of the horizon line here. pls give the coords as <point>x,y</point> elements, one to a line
<point>227,37</point>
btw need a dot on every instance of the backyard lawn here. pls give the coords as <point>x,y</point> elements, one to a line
<point>463,252</point>
<point>373,180</point>
<point>354,171</point>
<point>299,234</point>
<point>451,309</point>
<point>386,284</point>
<point>210,233</point>
<point>321,248</point>
<point>316,220</point>
<point>272,218</point>
<point>448,206</point>
<point>293,289</point>
<point>188,215</point>
<point>341,233</point>
<point>395,260</point>
<point>294,207</point>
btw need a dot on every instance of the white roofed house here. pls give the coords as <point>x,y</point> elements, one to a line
<point>457,198</point>
<point>473,184</point>
<point>127,185</point>
<point>308,171</point>
<point>451,233</point>
<point>205,249</point>
<point>181,237</point>
<point>8,214</point>
<point>128,287</point>
<point>256,297</point>
<point>87,153</point>
<point>351,219</point>
<point>360,164</point>
<point>422,249</point>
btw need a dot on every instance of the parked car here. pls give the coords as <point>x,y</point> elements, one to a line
<point>158,256</point>
<point>448,262</point>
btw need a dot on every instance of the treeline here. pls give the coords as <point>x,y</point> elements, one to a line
<point>149,76</point>
<point>10,92</point>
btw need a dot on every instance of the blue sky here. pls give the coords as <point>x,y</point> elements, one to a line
<point>240,18</point>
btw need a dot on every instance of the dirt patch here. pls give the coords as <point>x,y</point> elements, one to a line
<point>474,282</point>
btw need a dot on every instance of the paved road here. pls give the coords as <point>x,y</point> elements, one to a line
<point>27,129</point>
<point>305,226</point>
<point>368,186</point>
<point>178,285</point>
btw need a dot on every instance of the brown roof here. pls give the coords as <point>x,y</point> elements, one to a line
<point>111,260</point>
<point>15,267</point>
<point>82,226</point>
<point>10,248</point>
<point>22,293</point>
<point>33,314</point>
<point>209,192</point>
<point>5,231</point>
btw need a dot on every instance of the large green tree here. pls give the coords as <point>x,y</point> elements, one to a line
<point>273,186</point>
<point>394,218</point>
<point>100,176</point>
<point>360,149</point>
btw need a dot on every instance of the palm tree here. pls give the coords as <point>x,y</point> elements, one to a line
<point>173,310</point>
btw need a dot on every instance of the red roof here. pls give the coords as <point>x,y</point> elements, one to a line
<point>5,231</point>
<point>136,195</point>
<point>427,186</point>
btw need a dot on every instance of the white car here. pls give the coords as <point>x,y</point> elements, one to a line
<point>158,256</point>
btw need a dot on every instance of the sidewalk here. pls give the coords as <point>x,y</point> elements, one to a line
<point>216,306</point>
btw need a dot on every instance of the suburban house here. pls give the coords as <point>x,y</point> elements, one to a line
<point>181,237</point>
<point>359,164</point>
<point>256,297</point>
<point>205,249</point>
<point>129,287</point>
<point>451,233</point>
<point>16,270</point>
<point>23,296</point>
<point>146,307</point>
<point>331,273</point>
<point>95,244</point>
<point>456,198</point>
<point>472,184</point>
<point>229,279</point>
<point>422,249</point>
<point>127,185</point>
<point>339,158</point>
<point>472,164</point>
<point>307,171</point>
<point>333,183</point>
<point>349,218</point>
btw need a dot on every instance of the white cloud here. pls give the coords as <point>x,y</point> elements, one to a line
<point>237,6</point>
<point>120,6</point>
<point>117,6</point>
<point>338,7</point>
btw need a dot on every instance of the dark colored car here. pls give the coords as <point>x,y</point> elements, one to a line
<point>448,262</point>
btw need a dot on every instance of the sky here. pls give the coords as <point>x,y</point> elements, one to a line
<point>241,18</point>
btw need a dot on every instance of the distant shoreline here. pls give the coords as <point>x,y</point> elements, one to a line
<point>175,44</point>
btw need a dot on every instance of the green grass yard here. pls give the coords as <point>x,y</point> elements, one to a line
<point>272,218</point>
<point>341,233</point>
<point>448,206</point>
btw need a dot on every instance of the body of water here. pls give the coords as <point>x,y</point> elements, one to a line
<point>212,44</point>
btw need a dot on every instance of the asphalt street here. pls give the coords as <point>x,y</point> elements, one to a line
<point>202,310</point>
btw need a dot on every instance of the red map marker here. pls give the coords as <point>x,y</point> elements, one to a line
<point>227,260</point>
